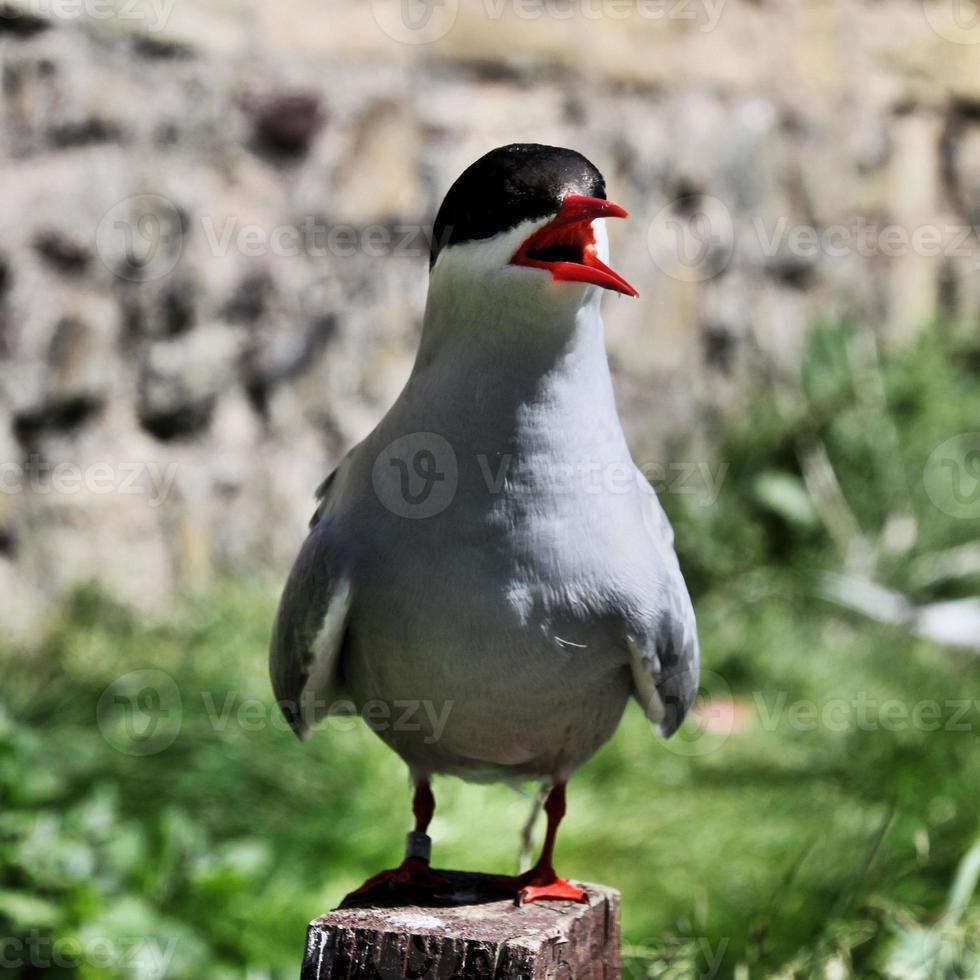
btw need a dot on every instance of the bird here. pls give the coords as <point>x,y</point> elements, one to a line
<point>490,555</point>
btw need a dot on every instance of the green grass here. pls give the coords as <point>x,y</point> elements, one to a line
<point>820,838</point>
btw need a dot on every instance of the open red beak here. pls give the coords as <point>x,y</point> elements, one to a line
<point>566,245</point>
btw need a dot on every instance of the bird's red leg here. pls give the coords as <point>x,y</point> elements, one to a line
<point>423,805</point>
<point>414,873</point>
<point>541,882</point>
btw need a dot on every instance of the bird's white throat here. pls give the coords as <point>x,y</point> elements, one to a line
<point>505,346</point>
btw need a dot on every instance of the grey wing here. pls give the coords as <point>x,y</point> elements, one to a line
<point>665,656</point>
<point>308,635</point>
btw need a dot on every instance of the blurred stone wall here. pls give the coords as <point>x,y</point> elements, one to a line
<point>213,230</point>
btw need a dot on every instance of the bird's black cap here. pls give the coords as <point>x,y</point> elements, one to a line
<point>511,184</point>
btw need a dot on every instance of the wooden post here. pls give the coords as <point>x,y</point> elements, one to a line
<point>489,941</point>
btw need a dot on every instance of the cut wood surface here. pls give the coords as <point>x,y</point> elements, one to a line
<point>496,939</point>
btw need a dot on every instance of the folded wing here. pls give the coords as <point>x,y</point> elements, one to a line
<point>664,655</point>
<point>308,636</point>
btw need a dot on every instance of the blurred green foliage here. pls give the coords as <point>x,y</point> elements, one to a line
<point>818,818</point>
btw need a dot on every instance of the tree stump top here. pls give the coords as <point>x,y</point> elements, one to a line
<point>491,941</point>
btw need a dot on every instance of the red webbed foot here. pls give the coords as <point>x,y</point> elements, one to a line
<point>541,883</point>
<point>537,886</point>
